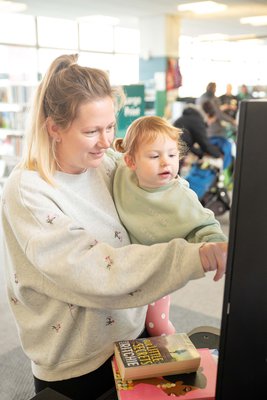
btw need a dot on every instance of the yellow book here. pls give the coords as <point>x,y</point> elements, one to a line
<point>156,356</point>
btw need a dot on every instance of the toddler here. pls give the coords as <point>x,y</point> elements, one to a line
<point>154,203</point>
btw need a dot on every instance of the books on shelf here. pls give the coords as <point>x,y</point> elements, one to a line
<point>196,385</point>
<point>156,356</point>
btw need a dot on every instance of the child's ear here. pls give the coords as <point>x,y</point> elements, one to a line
<point>129,161</point>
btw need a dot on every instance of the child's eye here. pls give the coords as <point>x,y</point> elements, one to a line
<point>154,156</point>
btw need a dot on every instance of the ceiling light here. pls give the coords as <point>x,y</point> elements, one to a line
<point>12,6</point>
<point>255,21</point>
<point>99,19</point>
<point>203,7</point>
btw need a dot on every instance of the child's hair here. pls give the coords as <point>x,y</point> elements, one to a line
<point>145,130</point>
<point>63,89</point>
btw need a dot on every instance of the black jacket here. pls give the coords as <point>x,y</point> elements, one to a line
<point>195,132</point>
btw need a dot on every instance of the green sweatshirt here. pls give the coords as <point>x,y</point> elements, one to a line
<point>75,283</point>
<point>162,214</point>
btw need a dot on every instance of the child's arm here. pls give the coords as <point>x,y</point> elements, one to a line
<point>157,318</point>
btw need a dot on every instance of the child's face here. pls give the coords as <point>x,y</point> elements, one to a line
<point>156,163</point>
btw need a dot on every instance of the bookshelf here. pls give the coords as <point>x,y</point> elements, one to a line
<point>14,101</point>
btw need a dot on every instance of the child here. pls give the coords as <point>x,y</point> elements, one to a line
<point>154,203</point>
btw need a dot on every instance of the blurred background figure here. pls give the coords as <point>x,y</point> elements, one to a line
<point>228,102</point>
<point>221,123</point>
<point>194,134</point>
<point>244,93</point>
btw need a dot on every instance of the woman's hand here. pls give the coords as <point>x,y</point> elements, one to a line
<point>213,257</point>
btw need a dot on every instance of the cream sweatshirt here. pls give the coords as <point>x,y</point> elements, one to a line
<point>74,281</point>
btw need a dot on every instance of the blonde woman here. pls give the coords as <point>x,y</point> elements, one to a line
<point>73,278</point>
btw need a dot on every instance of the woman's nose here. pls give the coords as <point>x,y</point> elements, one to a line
<point>104,140</point>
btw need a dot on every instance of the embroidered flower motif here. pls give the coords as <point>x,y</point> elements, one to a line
<point>109,262</point>
<point>109,321</point>
<point>14,300</point>
<point>50,219</point>
<point>56,327</point>
<point>118,235</point>
<point>135,291</point>
<point>93,244</point>
<point>109,173</point>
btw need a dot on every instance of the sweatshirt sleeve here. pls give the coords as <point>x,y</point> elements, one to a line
<point>52,254</point>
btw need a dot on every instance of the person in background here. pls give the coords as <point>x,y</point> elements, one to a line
<point>75,283</point>
<point>216,128</point>
<point>228,102</point>
<point>194,131</point>
<point>244,93</point>
<point>154,203</point>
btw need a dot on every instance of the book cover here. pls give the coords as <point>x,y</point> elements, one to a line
<point>156,356</point>
<point>197,385</point>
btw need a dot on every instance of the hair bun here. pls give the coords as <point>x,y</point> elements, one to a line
<point>118,145</point>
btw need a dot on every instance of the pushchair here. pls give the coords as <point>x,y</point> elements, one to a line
<point>207,177</point>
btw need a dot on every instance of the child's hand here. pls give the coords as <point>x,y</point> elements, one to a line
<point>213,257</point>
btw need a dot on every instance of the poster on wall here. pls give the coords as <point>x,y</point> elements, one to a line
<point>134,107</point>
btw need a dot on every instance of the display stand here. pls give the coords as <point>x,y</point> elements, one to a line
<point>49,394</point>
<point>205,337</point>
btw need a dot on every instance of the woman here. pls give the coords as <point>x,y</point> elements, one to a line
<point>75,283</point>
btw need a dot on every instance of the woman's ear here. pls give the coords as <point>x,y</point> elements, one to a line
<point>129,161</point>
<point>53,129</point>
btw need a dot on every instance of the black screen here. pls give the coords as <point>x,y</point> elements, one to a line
<point>242,369</point>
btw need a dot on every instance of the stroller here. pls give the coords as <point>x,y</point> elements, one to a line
<point>210,177</point>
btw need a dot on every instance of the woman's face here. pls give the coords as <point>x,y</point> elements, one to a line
<point>84,143</point>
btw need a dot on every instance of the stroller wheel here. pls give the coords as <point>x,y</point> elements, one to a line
<point>217,200</point>
<point>218,207</point>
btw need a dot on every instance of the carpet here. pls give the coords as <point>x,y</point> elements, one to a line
<point>184,320</point>
<point>16,377</point>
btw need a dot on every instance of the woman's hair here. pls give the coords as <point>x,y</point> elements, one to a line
<point>145,130</point>
<point>63,89</point>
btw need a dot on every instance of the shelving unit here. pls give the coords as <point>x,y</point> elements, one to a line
<point>14,100</point>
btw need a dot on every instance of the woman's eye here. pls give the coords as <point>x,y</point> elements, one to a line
<point>110,128</point>
<point>92,133</point>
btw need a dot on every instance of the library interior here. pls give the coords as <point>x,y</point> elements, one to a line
<point>200,66</point>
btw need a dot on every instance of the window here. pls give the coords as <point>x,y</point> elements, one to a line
<point>24,32</point>
<point>55,32</point>
<point>126,40</point>
<point>96,37</point>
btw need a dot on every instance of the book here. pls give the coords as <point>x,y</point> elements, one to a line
<point>196,385</point>
<point>156,356</point>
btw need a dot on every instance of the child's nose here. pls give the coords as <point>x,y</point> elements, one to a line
<point>163,161</point>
